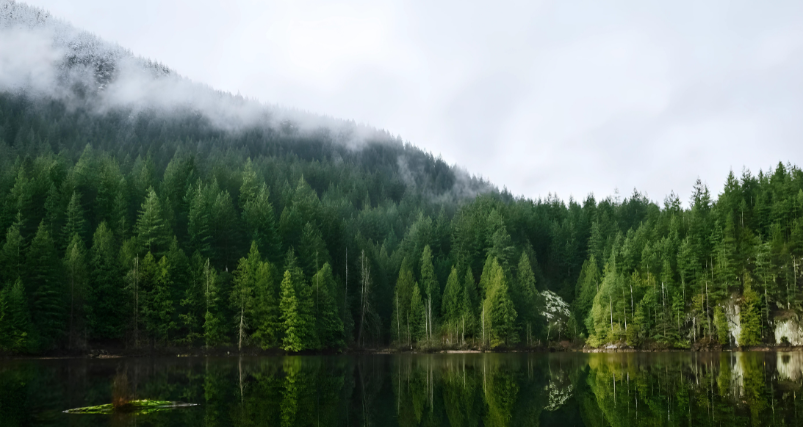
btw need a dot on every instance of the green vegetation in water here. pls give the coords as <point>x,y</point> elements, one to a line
<point>143,406</point>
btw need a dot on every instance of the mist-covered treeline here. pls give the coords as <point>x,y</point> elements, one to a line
<point>141,228</point>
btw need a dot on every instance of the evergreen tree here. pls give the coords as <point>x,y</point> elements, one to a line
<point>76,274</point>
<point>267,319</point>
<point>106,299</point>
<point>198,219</point>
<point>400,320</point>
<point>750,315</point>
<point>452,301</point>
<point>242,297</point>
<point>587,287</point>
<point>213,329</point>
<point>74,222</point>
<point>328,325</point>
<point>46,289</point>
<point>417,319</point>
<point>294,325</point>
<point>431,289</point>
<point>526,301</point>
<point>13,260</point>
<point>151,231</point>
<point>498,309</point>
<point>160,309</point>
<point>15,322</point>
<point>260,220</point>
<point>468,308</point>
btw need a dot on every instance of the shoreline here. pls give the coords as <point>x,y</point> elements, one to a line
<point>101,354</point>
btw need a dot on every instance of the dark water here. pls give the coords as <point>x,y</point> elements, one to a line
<point>661,389</point>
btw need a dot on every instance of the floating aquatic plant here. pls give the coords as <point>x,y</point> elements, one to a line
<point>122,402</point>
<point>143,406</point>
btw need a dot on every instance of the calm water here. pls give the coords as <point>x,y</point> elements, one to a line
<point>663,389</point>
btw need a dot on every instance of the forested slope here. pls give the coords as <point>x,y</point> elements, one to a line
<point>209,220</point>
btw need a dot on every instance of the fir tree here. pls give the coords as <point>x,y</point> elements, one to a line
<point>417,319</point>
<point>293,339</point>
<point>15,324</point>
<point>267,319</point>
<point>74,222</point>
<point>499,312</point>
<point>151,231</point>
<point>260,219</point>
<point>106,307</point>
<point>76,274</point>
<point>431,288</point>
<point>12,257</point>
<point>750,315</point>
<point>526,300</point>
<point>452,301</point>
<point>329,326</point>
<point>400,326</point>
<point>46,288</point>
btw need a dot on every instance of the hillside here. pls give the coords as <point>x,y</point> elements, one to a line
<point>143,209</point>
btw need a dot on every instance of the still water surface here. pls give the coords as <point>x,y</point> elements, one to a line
<point>654,389</point>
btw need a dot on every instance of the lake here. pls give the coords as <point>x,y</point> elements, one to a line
<point>561,389</point>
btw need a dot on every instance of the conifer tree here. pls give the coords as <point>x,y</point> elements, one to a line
<point>260,220</point>
<point>294,334</point>
<point>46,290</point>
<point>525,300</point>
<point>587,287</point>
<point>242,297</point>
<point>267,319</point>
<point>76,274</point>
<point>106,307</point>
<point>499,312</point>
<point>417,319</point>
<point>198,219</point>
<point>151,230</point>
<point>15,324</point>
<point>160,307</point>
<point>74,222</point>
<point>452,301</point>
<point>213,329</point>
<point>328,326</point>
<point>431,290</point>
<point>400,327</point>
<point>468,307</point>
<point>750,315</point>
<point>13,255</point>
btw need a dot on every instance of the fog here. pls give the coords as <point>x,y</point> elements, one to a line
<point>538,97</point>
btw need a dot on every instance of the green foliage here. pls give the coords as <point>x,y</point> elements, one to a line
<point>173,185</point>
<point>107,302</point>
<point>750,315</point>
<point>417,319</point>
<point>76,275</point>
<point>15,319</point>
<point>498,309</point>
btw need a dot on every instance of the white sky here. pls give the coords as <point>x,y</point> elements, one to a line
<point>537,96</point>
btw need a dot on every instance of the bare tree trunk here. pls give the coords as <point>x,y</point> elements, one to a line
<point>242,323</point>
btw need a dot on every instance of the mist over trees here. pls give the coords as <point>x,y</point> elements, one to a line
<point>159,230</point>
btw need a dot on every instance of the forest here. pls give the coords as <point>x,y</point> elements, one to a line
<point>138,229</point>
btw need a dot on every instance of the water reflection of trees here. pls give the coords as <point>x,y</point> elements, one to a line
<point>674,389</point>
<point>692,389</point>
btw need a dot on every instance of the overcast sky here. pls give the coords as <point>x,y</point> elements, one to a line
<point>537,96</point>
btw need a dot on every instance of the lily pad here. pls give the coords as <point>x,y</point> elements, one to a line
<point>143,406</point>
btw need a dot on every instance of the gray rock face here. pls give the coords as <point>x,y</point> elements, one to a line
<point>789,328</point>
